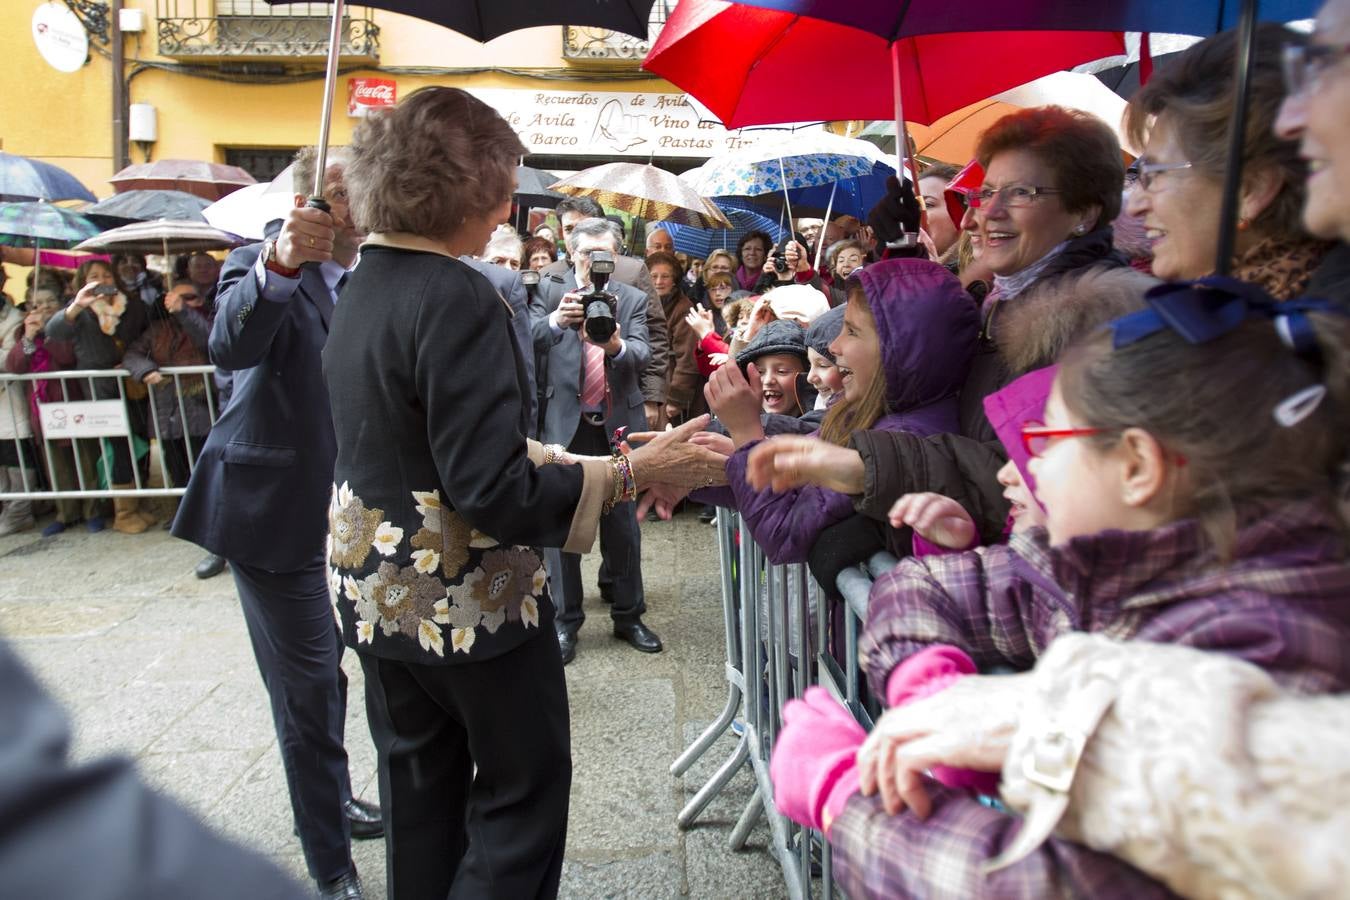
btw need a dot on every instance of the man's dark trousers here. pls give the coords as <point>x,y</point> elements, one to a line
<point>296,642</point>
<point>620,550</point>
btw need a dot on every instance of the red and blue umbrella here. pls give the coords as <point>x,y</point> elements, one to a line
<point>892,21</point>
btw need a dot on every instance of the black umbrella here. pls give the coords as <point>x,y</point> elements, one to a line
<point>481,20</point>
<point>144,206</point>
<point>532,188</point>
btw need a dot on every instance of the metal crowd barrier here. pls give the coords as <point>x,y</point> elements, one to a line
<point>776,648</point>
<point>85,427</point>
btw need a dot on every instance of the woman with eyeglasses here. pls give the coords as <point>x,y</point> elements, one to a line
<point>1316,114</point>
<point>1180,120</point>
<point>1052,186</point>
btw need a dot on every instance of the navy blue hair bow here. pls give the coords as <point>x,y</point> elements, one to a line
<point>1208,308</point>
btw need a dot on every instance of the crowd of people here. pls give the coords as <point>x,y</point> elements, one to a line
<point>110,313</point>
<point>1112,660</point>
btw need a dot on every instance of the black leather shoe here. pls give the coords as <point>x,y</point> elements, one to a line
<point>210,566</point>
<point>364,818</point>
<point>348,887</point>
<point>639,635</point>
<point>567,645</point>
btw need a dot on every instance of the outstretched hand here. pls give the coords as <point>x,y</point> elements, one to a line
<point>792,461</point>
<point>671,458</point>
<point>969,725</point>
<point>736,399</point>
<point>935,518</point>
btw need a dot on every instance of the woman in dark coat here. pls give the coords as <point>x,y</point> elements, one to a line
<point>439,502</point>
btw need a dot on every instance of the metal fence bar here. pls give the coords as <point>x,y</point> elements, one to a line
<point>734,673</point>
<point>17,386</point>
<point>771,607</point>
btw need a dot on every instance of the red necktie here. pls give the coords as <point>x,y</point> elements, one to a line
<point>593,376</point>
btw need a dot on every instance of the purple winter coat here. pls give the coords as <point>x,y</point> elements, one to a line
<point>927,326</point>
<point>1280,604</point>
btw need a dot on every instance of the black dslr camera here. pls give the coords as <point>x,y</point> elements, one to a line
<point>780,263</point>
<point>601,306</point>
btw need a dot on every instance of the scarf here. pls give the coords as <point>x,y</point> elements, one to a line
<point>1075,253</point>
<point>109,312</point>
<point>1281,265</point>
<point>747,280</point>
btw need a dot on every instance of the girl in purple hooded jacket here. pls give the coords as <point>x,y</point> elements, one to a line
<point>908,335</point>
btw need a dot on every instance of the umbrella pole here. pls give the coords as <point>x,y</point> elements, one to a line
<point>902,134</point>
<point>782,173</point>
<point>329,88</point>
<point>1237,130</point>
<point>829,208</point>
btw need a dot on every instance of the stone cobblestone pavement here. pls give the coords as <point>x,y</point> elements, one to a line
<point>155,664</point>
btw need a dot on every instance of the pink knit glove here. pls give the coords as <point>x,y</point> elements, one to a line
<point>814,762</point>
<point>927,672</point>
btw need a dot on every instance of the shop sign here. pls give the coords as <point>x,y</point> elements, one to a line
<point>60,37</point>
<point>365,94</point>
<point>613,124</point>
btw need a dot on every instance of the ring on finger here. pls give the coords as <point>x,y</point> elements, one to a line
<point>311,240</point>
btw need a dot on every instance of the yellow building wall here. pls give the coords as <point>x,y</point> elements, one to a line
<point>66,118</point>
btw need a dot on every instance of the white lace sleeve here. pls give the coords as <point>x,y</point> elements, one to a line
<point>1201,772</point>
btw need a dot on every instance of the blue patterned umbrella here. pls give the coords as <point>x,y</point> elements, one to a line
<point>38,224</point>
<point>22,179</point>
<point>801,160</point>
<point>699,242</point>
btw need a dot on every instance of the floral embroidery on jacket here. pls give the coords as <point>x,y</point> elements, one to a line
<point>352,528</point>
<point>500,587</point>
<point>414,598</point>
<point>401,600</point>
<point>444,539</point>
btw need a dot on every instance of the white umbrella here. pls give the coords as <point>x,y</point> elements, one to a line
<point>247,211</point>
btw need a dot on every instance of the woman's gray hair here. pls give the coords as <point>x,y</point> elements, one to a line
<point>594,228</point>
<point>427,164</point>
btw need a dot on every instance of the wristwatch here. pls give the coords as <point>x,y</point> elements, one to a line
<point>269,261</point>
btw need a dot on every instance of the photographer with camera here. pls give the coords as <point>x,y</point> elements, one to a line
<point>592,333</point>
<point>787,263</point>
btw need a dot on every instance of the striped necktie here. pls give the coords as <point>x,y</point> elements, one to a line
<point>593,375</point>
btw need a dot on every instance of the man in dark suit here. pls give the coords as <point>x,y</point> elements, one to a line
<point>592,390</point>
<point>512,289</point>
<point>259,497</point>
<point>632,272</point>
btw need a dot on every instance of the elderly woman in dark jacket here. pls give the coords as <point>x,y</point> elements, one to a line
<point>438,503</point>
<point>1052,186</point>
<point>177,336</point>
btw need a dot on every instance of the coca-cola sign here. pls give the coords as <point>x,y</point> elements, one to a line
<point>365,94</point>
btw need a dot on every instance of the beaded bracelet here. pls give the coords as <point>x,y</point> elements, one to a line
<point>625,487</point>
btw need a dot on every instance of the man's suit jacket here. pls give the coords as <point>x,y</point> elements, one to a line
<point>633,272</point>
<point>509,285</point>
<point>261,488</point>
<point>563,391</point>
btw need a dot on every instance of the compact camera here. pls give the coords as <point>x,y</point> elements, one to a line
<point>780,263</point>
<point>105,290</point>
<point>600,305</point>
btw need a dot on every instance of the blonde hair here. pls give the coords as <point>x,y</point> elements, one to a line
<point>847,416</point>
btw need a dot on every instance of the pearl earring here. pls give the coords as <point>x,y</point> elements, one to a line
<point>1080,230</point>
